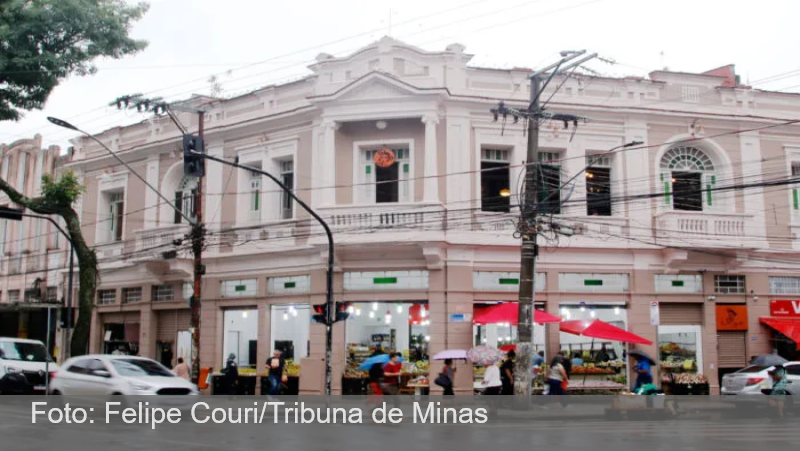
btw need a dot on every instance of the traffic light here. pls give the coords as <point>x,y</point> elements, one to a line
<point>321,313</point>
<point>194,165</point>
<point>341,312</point>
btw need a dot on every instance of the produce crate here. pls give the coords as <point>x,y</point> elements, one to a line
<point>692,389</point>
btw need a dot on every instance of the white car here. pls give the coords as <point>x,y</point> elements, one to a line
<point>739,386</point>
<point>24,366</point>
<point>118,375</point>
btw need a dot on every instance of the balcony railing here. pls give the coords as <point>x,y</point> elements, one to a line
<point>698,227</point>
<point>161,236</point>
<point>396,217</point>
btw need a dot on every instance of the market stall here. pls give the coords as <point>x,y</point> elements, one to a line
<point>495,326</point>
<point>597,368</point>
<point>375,328</point>
<point>681,360</point>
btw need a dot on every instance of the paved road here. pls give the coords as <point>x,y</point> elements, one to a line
<point>695,431</point>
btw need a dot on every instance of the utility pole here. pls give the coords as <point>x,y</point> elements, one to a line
<point>192,167</point>
<point>529,226</point>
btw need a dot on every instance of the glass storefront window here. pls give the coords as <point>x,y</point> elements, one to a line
<point>241,338</point>
<point>290,330</point>
<point>595,359</point>
<point>679,349</point>
<point>384,327</point>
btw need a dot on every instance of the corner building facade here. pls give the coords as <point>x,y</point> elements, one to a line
<point>425,243</point>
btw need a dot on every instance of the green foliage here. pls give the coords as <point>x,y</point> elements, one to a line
<point>62,192</point>
<point>44,41</point>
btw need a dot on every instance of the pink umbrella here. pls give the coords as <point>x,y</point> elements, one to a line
<point>484,355</point>
<point>452,354</point>
<point>600,329</point>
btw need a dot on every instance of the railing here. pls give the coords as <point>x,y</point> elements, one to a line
<point>683,225</point>
<point>399,217</point>
<point>161,236</point>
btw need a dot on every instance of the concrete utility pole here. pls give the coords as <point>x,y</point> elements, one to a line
<point>529,227</point>
<point>193,168</point>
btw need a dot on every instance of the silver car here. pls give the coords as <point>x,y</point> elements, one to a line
<point>743,385</point>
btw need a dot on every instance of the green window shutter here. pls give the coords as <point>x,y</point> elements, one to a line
<point>666,180</point>
<point>795,201</point>
<point>369,169</point>
<point>405,168</point>
<point>708,185</point>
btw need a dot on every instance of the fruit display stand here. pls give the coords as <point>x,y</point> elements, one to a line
<point>685,384</point>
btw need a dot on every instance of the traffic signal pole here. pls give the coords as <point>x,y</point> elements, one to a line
<point>330,308</point>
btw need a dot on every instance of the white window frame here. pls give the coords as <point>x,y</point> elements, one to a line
<point>697,330</point>
<point>116,202</point>
<point>502,154</point>
<point>793,161</point>
<point>730,290</point>
<point>163,293</point>
<point>784,281</point>
<point>132,295</point>
<point>244,293</point>
<point>708,178</point>
<point>255,197</point>
<point>106,187</point>
<point>103,299</point>
<point>364,186</point>
<point>285,170</point>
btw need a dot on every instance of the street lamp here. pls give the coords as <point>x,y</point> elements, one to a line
<point>16,214</point>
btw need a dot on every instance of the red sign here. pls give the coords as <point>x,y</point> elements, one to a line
<point>731,317</point>
<point>785,309</point>
<point>384,158</point>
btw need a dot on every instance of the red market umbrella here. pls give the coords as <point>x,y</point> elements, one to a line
<point>787,326</point>
<point>600,329</point>
<point>508,312</point>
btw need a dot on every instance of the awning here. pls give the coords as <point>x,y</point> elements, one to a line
<point>509,313</point>
<point>600,329</point>
<point>787,326</point>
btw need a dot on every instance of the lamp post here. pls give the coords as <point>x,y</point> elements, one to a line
<point>16,214</point>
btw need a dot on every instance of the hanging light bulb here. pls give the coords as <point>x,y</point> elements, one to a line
<point>484,340</point>
<point>374,306</point>
<point>583,308</point>
<point>358,312</point>
<point>293,311</point>
<point>616,311</point>
<point>399,308</point>
<point>244,314</point>
<point>388,317</point>
<point>564,311</point>
<point>508,338</point>
<point>372,314</point>
<point>351,310</point>
<point>423,313</point>
<point>592,313</point>
<point>285,316</point>
<point>427,338</point>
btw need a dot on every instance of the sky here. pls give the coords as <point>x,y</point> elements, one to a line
<point>252,43</point>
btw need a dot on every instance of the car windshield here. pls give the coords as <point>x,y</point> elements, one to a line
<point>139,367</point>
<point>22,351</point>
<point>753,369</point>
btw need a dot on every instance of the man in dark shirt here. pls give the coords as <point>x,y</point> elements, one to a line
<point>566,362</point>
<point>507,373</point>
<point>275,365</point>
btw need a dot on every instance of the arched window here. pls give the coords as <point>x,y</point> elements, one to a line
<point>186,198</point>
<point>688,176</point>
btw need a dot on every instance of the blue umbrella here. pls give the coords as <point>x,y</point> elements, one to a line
<point>380,358</point>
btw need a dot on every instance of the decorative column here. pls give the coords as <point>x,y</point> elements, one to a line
<point>151,200</point>
<point>431,191</point>
<point>328,196</point>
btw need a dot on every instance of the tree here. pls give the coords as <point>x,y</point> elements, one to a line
<point>57,198</point>
<point>44,41</point>
<point>41,43</point>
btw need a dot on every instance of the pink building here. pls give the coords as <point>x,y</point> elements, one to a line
<point>33,256</point>
<point>425,241</point>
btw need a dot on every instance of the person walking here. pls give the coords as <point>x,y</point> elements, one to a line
<point>182,370</point>
<point>492,385</point>
<point>231,373</point>
<point>507,373</point>
<point>391,378</point>
<point>450,372</point>
<point>643,372</point>
<point>275,366</point>
<point>556,378</point>
<point>777,396</point>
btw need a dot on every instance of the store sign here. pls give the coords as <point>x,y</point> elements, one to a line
<point>655,314</point>
<point>732,317</point>
<point>785,309</point>
<point>460,318</point>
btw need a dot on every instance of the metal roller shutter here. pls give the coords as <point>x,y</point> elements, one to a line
<point>131,317</point>
<point>115,318</point>
<point>679,314</point>
<point>732,349</point>
<point>170,322</point>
